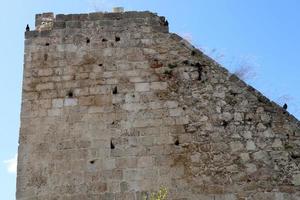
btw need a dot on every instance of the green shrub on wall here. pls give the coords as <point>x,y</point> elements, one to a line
<point>162,194</point>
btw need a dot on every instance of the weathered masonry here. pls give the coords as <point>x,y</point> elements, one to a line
<point>114,106</point>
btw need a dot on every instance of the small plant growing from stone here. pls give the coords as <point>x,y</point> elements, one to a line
<point>245,72</point>
<point>162,194</point>
<point>288,146</point>
<point>172,66</point>
<point>168,72</point>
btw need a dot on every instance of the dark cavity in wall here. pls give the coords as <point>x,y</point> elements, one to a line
<point>200,69</point>
<point>117,39</point>
<point>115,90</point>
<point>193,53</point>
<point>70,94</point>
<point>185,62</point>
<point>224,123</point>
<point>295,155</point>
<point>112,146</point>
<point>92,162</point>
<point>88,40</point>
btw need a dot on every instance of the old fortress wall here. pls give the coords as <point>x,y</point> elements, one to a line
<point>114,106</point>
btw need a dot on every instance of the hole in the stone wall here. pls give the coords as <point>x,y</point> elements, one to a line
<point>133,95</point>
<point>115,90</point>
<point>200,70</point>
<point>193,53</point>
<point>177,142</point>
<point>100,65</point>
<point>112,146</point>
<point>233,93</point>
<point>88,40</point>
<point>197,65</point>
<point>47,44</point>
<point>92,162</point>
<point>104,40</point>
<point>117,39</point>
<point>70,94</point>
<point>185,62</point>
<point>295,156</point>
<point>249,119</point>
<point>224,123</point>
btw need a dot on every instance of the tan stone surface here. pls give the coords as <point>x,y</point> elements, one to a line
<point>114,106</point>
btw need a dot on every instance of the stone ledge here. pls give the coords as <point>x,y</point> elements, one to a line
<point>96,16</point>
<point>49,21</point>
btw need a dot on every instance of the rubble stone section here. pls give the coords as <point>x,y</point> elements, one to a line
<point>114,106</point>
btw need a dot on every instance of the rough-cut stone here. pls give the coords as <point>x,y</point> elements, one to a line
<point>114,107</point>
<point>245,157</point>
<point>250,145</point>
<point>236,146</point>
<point>142,87</point>
<point>70,102</point>
<point>296,179</point>
<point>277,143</point>
<point>57,103</point>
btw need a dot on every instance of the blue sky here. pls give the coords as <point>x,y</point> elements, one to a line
<point>261,36</point>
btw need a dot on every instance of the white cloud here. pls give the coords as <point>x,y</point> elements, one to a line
<point>11,164</point>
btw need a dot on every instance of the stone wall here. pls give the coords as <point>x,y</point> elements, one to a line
<point>114,107</point>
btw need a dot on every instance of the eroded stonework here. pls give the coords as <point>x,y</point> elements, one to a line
<point>114,106</point>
